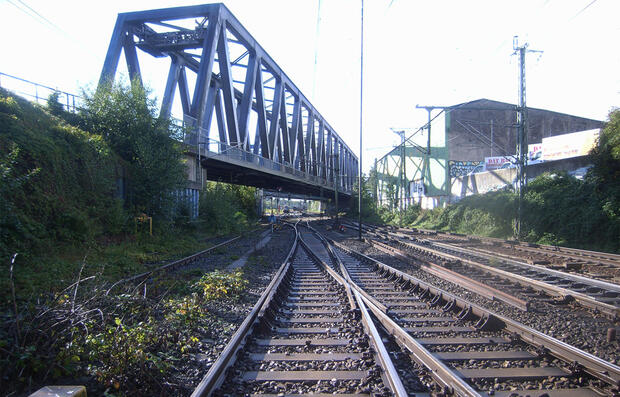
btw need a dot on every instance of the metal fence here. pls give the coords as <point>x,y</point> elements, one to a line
<point>216,149</point>
<point>39,92</point>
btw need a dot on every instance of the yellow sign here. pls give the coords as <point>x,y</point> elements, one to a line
<point>569,145</point>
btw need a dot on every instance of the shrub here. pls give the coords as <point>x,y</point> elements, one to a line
<point>217,284</point>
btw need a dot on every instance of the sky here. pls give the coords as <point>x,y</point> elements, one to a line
<point>436,52</point>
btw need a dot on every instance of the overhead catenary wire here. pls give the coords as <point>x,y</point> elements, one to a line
<point>42,20</point>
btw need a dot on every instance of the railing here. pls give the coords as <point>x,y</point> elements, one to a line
<point>39,92</point>
<point>216,149</point>
<point>197,137</point>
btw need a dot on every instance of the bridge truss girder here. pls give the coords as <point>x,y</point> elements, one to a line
<point>249,90</point>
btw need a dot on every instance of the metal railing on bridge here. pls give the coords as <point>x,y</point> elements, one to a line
<point>212,148</point>
<point>39,92</point>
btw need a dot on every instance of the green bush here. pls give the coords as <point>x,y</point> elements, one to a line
<point>556,209</point>
<point>226,208</point>
<point>217,285</point>
<point>127,119</point>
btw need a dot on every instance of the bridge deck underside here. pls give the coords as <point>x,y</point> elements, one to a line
<point>240,172</point>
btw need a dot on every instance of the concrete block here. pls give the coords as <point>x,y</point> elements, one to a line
<point>60,391</point>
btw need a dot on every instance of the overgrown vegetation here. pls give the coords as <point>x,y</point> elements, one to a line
<point>62,176</point>
<point>227,208</point>
<point>57,181</point>
<point>126,117</point>
<point>130,343</point>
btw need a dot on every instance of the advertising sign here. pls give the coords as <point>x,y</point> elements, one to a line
<point>534,151</point>
<point>493,163</point>
<point>569,145</point>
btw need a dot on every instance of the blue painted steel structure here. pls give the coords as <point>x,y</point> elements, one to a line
<point>264,127</point>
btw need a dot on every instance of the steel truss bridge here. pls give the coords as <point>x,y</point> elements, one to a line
<point>265,132</point>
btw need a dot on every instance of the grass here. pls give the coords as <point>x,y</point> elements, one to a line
<point>41,276</point>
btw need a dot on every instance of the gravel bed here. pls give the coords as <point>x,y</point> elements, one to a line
<point>226,316</point>
<point>589,265</point>
<point>221,257</point>
<point>349,328</point>
<point>414,377</point>
<point>570,323</point>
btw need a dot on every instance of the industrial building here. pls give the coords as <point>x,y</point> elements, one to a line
<point>456,141</point>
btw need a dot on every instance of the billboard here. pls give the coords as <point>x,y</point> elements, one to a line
<point>493,163</point>
<point>534,151</point>
<point>569,145</point>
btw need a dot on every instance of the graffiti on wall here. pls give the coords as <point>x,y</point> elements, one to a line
<point>461,168</point>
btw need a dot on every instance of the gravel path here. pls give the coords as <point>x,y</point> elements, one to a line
<point>226,315</point>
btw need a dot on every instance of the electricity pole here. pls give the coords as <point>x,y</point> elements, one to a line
<point>401,173</point>
<point>359,216</point>
<point>522,150</point>
<point>336,171</point>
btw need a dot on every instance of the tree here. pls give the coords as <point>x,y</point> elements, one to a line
<point>126,117</point>
<point>54,105</point>
<point>370,211</point>
<point>605,158</point>
<point>605,172</point>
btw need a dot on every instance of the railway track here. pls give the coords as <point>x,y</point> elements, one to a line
<point>497,270</point>
<point>171,266</point>
<point>598,265</point>
<point>552,252</point>
<point>311,333</point>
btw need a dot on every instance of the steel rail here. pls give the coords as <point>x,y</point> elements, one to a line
<point>593,365</point>
<point>552,290</point>
<point>215,376</point>
<point>581,279</point>
<point>438,370</point>
<point>461,280</point>
<point>566,252</point>
<point>390,372</point>
<point>172,265</point>
<point>395,384</point>
<point>443,375</point>
<point>345,276</point>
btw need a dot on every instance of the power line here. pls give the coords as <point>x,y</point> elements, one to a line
<point>37,16</point>
<point>52,24</point>
<point>582,10</point>
<point>316,49</point>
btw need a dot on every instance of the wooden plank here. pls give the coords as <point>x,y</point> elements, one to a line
<point>302,342</point>
<point>428,319</point>
<point>308,330</point>
<point>300,376</point>
<point>305,356</point>
<point>307,320</point>
<point>486,355</point>
<point>461,341</point>
<point>312,311</point>
<point>439,329</point>
<point>579,392</point>
<point>510,373</point>
<point>415,311</point>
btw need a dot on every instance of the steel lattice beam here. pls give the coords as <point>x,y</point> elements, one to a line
<point>288,129</point>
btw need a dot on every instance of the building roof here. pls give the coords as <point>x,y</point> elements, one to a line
<point>489,104</point>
